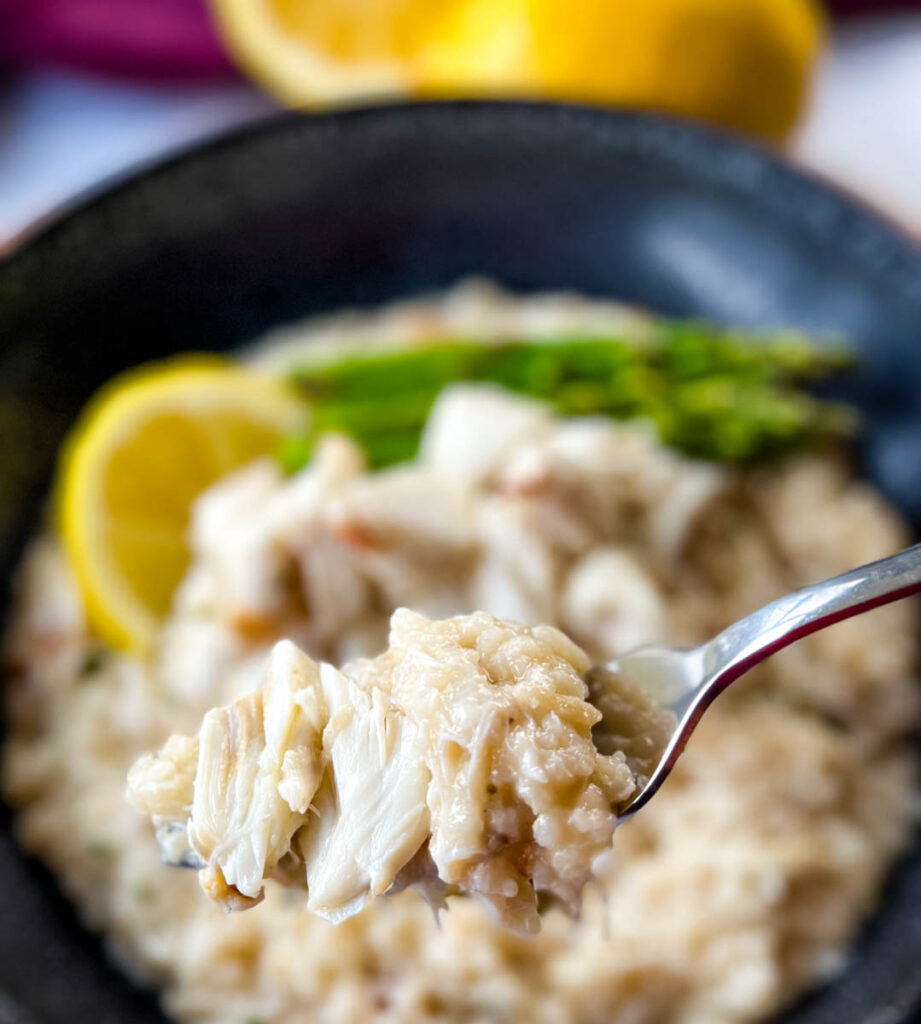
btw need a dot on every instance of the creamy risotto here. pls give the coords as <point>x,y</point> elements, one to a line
<point>740,884</point>
<point>461,757</point>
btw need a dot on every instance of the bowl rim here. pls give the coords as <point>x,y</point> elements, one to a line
<point>877,241</point>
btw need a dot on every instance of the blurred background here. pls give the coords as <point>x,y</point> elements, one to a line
<point>90,88</point>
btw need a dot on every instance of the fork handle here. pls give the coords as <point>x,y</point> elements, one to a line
<point>779,624</point>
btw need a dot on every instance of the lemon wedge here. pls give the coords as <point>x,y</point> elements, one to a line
<point>146,445</point>
<point>746,64</point>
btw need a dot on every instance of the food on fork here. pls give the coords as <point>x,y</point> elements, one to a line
<point>461,757</point>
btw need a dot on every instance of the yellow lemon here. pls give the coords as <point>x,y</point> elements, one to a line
<point>145,446</point>
<point>743,63</point>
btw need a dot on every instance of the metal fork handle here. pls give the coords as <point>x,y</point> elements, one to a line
<point>779,624</point>
<point>716,664</point>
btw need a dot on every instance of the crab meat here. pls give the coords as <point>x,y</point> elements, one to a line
<point>461,757</point>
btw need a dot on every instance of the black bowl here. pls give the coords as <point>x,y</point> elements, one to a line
<point>312,213</point>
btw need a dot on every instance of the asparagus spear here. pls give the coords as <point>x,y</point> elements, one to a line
<point>714,394</point>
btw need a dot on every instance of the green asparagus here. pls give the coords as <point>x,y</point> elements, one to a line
<point>713,394</point>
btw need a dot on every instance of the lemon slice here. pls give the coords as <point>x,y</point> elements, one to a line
<point>743,63</point>
<point>147,444</point>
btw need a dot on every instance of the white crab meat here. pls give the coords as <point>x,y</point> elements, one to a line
<point>472,428</point>
<point>611,603</point>
<point>463,755</point>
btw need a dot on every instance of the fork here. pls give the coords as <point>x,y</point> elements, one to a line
<point>686,682</point>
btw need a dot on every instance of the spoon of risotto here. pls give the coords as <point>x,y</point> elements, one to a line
<point>473,756</point>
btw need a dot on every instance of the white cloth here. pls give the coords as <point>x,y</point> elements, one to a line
<point>863,128</point>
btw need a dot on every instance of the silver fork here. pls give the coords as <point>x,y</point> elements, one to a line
<point>687,682</point>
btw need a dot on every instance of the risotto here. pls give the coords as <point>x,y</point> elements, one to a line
<point>743,881</point>
<point>462,756</point>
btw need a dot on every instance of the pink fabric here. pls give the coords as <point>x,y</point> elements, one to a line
<point>159,39</point>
